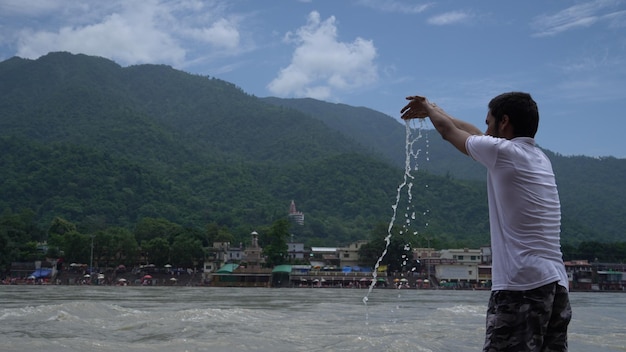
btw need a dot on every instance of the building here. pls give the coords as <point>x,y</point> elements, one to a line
<point>223,252</point>
<point>579,274</point>
<point>252,254</point>
<point>610,276</point>
<point>427,258</point>
<point>485,252</point>
<point>324,257</point>
<point>215,256</point>
<point>349,255</point>
<point>295,215</point>
<point>295,250</point>
<point>234,275</point>
<point>460,267</point>
<point>462,256</point>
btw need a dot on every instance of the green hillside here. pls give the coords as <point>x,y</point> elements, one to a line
<point>100,145</point>
<point>593,195</point>
<point>87,139</point>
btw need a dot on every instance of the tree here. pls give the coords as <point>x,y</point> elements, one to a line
<point>157,250</point>
<point>126,247</point>
<point>399,255</point>
<point>149,228</point>
<point>14,239</point>
<point>275,250</point>
<point>187,251</point>
<point>5,252</point>
<point>116,245</point>
<point>76,247</point>
<point>60,226</point>
<point>30,252</point>
<point>212,230</point>
<point>223,235</point>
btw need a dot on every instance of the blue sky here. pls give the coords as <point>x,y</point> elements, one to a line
<point>569,54</point>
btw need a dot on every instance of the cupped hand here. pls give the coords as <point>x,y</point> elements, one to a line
<point>416,108</point>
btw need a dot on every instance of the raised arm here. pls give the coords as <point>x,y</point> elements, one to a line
<point>451,129</point>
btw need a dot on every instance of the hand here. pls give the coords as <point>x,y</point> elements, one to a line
<point>416,108</point>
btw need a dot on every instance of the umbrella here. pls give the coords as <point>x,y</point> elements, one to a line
<point>41,273</point>
<point>168,266</point>
<point>147,277</point>
<point>396,280</point>
<point>87,275</point>
<point>173,279</point>
<point>404,280</point>
<point>122,280</point>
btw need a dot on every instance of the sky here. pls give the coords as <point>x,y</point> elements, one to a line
<point>570,55</point>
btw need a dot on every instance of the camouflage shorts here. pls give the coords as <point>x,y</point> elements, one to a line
<point>533,320</point>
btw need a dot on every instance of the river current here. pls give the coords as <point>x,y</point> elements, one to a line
<point>107,318</point>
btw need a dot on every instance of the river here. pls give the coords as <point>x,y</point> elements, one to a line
<point>113,318</point>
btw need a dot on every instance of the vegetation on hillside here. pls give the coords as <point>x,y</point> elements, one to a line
<point>107,148</point>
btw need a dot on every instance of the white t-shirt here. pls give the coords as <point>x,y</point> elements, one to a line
<point>524,213</point>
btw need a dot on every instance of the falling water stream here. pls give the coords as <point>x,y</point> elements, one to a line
<point>413,129</point>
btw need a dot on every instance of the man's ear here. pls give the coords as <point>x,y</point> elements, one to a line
<point>505,127</point>
<point>504,123</point>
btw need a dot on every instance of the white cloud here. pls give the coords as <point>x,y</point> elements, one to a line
<point>32,8</point>
<point>595,61</point>
<point>449,18</point>
<point>130,39</point>
<point>132,32</point>
<point>617,19</point>
<point>115,37</point>
<point>321,64</point>
<point>581,15</point>
<point>395,6</point>
<point>222,33</point>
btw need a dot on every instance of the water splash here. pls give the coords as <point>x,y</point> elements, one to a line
<point>412,152</point>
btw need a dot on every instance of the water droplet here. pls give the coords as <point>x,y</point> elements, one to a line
<point>412,159</point>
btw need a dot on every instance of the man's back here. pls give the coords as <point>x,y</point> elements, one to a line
<point>524,213</point>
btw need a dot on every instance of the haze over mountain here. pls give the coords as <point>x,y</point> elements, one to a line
<point>103,145</point>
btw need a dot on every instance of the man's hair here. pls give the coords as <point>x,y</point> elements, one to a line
<point>521,110</point>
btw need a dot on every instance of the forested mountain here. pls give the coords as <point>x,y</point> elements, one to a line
<point>592,190</point>
<point>87,140</point>
<point>381,134</point>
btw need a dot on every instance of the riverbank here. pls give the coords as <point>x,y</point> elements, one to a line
<point>169,280</point>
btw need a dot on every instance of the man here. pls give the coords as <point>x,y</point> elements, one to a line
<point>529,307</point>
